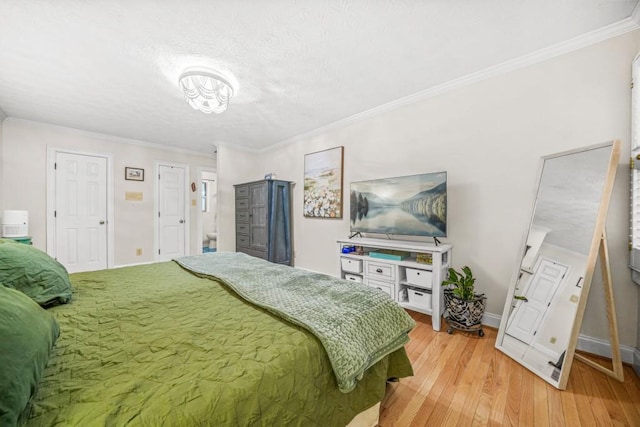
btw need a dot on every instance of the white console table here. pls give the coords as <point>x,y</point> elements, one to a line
<point>413,285</point>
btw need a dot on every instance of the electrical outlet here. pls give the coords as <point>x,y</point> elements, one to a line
<point>193,202</point>
<point>138,251</point>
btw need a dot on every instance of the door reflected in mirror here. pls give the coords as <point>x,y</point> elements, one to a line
<point>538,327</point>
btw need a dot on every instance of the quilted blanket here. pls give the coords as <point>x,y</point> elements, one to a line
<point>356,324</point>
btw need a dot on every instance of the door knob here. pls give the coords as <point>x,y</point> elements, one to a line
<point>182,221</point>
<point>101,222</point>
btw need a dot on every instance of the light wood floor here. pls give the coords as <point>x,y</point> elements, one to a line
<point>462,380</point>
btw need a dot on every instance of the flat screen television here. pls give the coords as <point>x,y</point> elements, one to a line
<point>414,205</point>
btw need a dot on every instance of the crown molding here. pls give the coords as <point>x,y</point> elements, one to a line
<point>237,147</point>
<point>610,31</point>
<point>117,139</point>
<point>635,15</point>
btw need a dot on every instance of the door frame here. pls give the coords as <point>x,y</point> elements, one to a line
<point>156,207</point>
<point>51,200</point>
<point>199,230</point>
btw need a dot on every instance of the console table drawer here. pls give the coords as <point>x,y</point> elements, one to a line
<point>242,191</point>
<point>242,228</point>
<point>381,270</point>
<point>242,241</point>
<point>386,287</point>
<point>257,254</point>
<point>242,216</point>
<point>242,204</point>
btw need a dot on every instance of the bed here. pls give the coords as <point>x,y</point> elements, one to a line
<point>160,345</point>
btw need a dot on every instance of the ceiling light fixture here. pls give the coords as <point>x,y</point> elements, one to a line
<point>206,90</point>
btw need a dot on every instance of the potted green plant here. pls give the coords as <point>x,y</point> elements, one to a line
<point>464,307</point>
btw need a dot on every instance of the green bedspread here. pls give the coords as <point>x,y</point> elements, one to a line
<point>356,324</point>
<point>156,345</point>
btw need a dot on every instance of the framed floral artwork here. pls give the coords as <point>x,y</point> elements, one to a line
<point>323,183</point>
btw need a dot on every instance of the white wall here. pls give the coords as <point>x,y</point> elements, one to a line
<point>489,137</point>
<point>24,167</point>
<point>234,167</point>
<point>2,119</point>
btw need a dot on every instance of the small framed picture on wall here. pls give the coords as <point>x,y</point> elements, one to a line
<point>134,174</point>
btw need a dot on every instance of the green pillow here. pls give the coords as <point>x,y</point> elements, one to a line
<point>27,334</point>
<point>33,272</point>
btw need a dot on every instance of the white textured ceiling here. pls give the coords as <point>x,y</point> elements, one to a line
<point>112,66</point>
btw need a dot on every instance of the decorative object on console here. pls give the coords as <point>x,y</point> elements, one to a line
<point>389,254</point>
<point>424,258</point>
<point>465,308</point>
<point>323,183</point>
<point>408,205</point>
<point>348,249</point>
<point>206,90</point>
<point>133,174</point>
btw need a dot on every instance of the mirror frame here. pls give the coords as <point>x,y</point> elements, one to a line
<point>598,239</point>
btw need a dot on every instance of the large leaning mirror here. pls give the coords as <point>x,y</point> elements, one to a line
<point>548,293</point>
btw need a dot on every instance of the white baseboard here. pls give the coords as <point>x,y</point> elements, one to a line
<point>591,345</point>
<point>492,320</point>
<point>603,348</point>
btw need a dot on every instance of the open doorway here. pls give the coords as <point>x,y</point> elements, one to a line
<point>208,206</point>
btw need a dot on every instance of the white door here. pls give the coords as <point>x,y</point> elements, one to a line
<point>171,212</point>
<point>529,313</point>
<point>81,211</point>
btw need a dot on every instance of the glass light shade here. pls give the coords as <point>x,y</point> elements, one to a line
<point>206,91</point>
